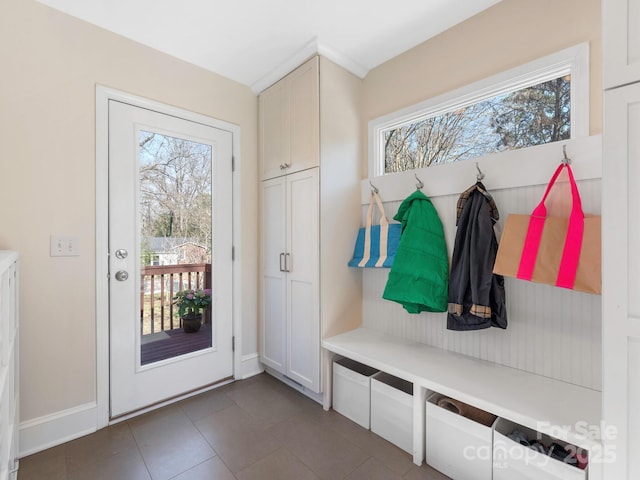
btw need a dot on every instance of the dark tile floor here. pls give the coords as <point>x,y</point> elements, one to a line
<point>252,429</point>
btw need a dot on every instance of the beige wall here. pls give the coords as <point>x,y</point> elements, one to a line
<point>50,64</point>
<point>509,34</point>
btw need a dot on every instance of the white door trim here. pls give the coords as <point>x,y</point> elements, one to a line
<point>103,95</point>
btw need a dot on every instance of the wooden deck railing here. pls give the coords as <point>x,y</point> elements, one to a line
<point>158,286</point>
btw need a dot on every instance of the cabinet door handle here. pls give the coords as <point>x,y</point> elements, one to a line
<point>284,166</point>
<point>282,268</point>
<point>286,262</point>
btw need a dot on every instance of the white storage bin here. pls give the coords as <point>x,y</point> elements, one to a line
<point>352,390</point>
<point>455,445</point>
<point>513,461</point>
<point>392,410</point>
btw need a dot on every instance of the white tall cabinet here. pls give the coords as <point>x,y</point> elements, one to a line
<point>310,212</point>
<point>9,390</point>
<point>621,238</point>
<point>290,308</point>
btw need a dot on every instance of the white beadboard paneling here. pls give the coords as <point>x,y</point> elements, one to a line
<point>552,331</point>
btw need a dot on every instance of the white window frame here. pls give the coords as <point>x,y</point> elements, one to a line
<point>573,60</point>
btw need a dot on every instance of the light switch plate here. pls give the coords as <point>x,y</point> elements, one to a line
<point>64,246</point>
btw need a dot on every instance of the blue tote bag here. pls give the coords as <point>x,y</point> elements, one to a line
<point>376,245</point>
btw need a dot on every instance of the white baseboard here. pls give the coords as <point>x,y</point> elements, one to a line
<point>249,367</point>
<point>50,430</point>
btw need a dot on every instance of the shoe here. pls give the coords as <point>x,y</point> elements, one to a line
<point>560,453</point>
<point>519,437</point>
<point>539,447</point>
<point>582,456</point>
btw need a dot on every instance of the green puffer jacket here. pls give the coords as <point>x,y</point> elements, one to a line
<point>419,276</point>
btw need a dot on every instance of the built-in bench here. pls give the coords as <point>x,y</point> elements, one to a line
<point>561,410</point>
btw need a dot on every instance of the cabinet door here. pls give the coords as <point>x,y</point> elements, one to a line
<point>273,125</point>
<point>304,114</point>
<point>289,118</point>
<point>621,37</point>
<point>303,311</point>
<point>273,287</point>
<point>621,281</point>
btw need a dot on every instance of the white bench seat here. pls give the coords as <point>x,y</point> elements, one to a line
<point>550,406</point>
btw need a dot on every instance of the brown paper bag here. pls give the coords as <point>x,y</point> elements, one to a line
<point>564,252</point>
<point>589,273</point>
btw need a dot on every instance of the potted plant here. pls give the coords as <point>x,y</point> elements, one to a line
<point>190,305</point>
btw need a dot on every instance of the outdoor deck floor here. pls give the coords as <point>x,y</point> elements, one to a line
<point>171,343</point>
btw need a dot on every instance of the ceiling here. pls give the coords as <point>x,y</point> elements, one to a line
<point>255,42</point>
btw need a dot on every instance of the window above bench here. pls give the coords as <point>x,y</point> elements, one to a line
<point>543,101</point>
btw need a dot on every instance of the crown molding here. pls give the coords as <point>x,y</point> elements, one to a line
<point>343,60</point>
<point>311,48</point>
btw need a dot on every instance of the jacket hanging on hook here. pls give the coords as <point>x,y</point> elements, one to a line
<point>419,277</point>
<point>476,294</point>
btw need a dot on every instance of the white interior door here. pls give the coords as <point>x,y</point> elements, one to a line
<point>170,228</point>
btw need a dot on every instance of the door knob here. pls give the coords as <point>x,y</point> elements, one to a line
<point>122,275</point>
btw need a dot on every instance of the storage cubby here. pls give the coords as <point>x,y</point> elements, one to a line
<point>458,446</point>
<point>392,410</point>
<point>515,461</point>
<point>352,390</point>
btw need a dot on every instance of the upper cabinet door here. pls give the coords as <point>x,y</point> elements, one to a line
<point>273,130</point>
<point>304,114</point>
<point>621,37</point>
<point>289,123</point>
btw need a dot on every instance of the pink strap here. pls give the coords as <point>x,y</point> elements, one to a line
<point>573,242</point>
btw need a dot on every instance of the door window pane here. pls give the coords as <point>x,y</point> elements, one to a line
<point>175,218</point>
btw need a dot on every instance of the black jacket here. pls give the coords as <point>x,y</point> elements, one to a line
<point>476,295</point>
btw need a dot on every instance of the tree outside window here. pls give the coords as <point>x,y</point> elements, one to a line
<point>526,117</point>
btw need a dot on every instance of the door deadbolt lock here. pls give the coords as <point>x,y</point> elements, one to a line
<point>121,253</point>
<point>122,275</point>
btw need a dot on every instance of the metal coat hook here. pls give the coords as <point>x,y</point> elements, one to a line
<point>374,189</point>
<point>419,185</point>
<point>480,175</point>
<point>566,160</point>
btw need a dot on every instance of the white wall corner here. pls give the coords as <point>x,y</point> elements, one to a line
<point>54,429</point>
<point>249,366</point>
